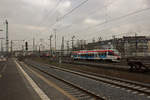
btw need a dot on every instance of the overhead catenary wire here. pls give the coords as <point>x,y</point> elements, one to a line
<point>111,20</point>
<point>117,18</point>
<point>119,24</point>
<point>53,10</point>
<point>78,6</point>
<point>68,13</point>
<point>89,14</point>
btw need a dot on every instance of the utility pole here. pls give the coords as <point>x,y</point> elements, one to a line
<point>39,49</point>
<point>11,47</point>
<point>78,44</point>
<point>84,44</point>
<point>93,40</point>
<point>50,44</point>
<point>1,45</point>
<point>99,39</point>
<point>81,44</point>
<point>36,49</point>
<point>114,40</point>
<point>73,42</point>
<point>62,50</point>
<point>41,45</point>
<point>23,49</point>
<point>7,41</point>
<point>55,37</point>
<point>136,43</point>
<point>62,45</point>
<point>67,47</point>
<point>33,45</point>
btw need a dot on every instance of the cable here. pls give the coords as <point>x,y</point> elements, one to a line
<point>109,27</point>
<point>68,13</point>
<point>52,12</point>
<point>78,6</point>
<point>89,14</point>
<point>118,18</point>
<point>124,16</point>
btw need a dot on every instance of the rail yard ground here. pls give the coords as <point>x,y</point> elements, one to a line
<point>125,74</point>
<point>41,79</point>
<point>93,86</point>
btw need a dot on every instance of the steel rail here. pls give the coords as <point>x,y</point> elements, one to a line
<point>95,96</point>
<point>143,88</point>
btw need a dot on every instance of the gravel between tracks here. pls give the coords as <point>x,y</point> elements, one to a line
<point>140,77</point>
<point>111,92</point>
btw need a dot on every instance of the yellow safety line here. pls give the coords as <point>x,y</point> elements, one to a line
<point>51,83</point>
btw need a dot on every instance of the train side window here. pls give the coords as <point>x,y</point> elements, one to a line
<point>91,55</point>
<point>82,55</point>
<point>96,55</point>
<point>104,54</point>
<point>99,53</point>
<point>110,53</point>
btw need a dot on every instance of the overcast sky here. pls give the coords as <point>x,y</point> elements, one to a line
<point>95,18</point>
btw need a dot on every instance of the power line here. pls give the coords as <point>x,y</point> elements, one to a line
<point>89,14</point>
<point>106,29</point>
<point>78,6</point>
<point>69,13</point>
<point>118,18</point>
<point>124,16</point>
<point>111,20</point>
<point>56,7</point>
<point>52,12</point>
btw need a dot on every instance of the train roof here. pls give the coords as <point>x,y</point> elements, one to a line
<point>92,51</point>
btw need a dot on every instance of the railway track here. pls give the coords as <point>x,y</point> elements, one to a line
<point>2,66</point>
<point>73,89</point>
<point>116,66</point>
<point>131,85</point>
<point>102,65</point>
<point>135,87</point>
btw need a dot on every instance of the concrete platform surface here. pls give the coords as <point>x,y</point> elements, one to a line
<point>13,85</point>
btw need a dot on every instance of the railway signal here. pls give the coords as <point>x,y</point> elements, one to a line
<point>26,46</point>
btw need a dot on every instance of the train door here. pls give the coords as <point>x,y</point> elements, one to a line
<point>111,56</point>
<point>96,56</point>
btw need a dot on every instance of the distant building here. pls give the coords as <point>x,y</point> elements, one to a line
<point>149,46</point>
<point>100,45</point>
<point>127,46</point>
<point>136,45</point>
